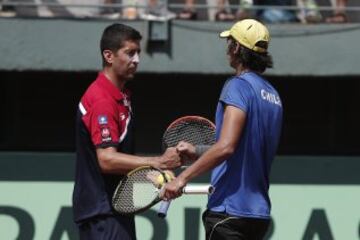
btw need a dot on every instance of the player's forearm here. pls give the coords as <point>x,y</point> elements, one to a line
<point>121,163</point>
<point>216,154</point>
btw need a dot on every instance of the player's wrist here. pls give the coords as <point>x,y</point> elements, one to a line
<point>181,180</point>
<point>152,162</point>
<point>200,150</point>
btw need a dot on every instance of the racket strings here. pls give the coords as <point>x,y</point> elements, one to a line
<point>137,191</point>
<point>195,132</point>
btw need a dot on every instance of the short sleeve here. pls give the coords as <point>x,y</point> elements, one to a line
<point>237,93</point>
<point>103,124</point>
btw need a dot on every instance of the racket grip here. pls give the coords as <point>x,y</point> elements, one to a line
<point>164,206</point>
<point>198,189</point>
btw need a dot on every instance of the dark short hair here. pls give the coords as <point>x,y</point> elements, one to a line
<point>115,35</point>
<point>255,61</point>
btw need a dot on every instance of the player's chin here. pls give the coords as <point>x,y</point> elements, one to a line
<point>130,76</point>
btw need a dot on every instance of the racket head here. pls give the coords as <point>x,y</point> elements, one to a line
<point>196,130</point>
<point>138,190</point>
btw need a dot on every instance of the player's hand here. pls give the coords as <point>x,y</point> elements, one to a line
<point>170,159</point>
<point>187,151</point>
<point>173,189</point>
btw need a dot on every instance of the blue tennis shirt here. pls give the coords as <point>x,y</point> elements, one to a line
<point>242,181</point>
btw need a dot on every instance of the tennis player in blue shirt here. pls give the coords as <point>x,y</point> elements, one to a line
<point>248,126</point>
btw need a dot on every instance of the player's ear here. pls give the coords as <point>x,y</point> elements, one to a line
<point>237,48</point>
<point>108,56</point>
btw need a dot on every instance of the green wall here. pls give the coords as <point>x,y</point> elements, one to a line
<point>192,47</point>
<point>313,198</point>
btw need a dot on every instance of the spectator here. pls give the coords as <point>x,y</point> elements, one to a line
<point>309,12</point>
<point>245,11</point>
<point>129,12</point>
<point>157,10</point>
<point>276,15</point>
<point>339,15</point>
<point>60,8</point>
<point>6,10</point>
<point>189,12</point>
<point>110,12</point>
<point>221,14</point>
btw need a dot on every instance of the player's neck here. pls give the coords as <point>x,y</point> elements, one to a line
<point>114,79</point>
<point>241,69</point>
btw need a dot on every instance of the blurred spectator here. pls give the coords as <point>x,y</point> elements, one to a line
<point>222,12</point>
<point>189,12</point>
<point>6,10</point>
<point>276,15</point>
<point>130,12</point>
<point>31,10</point>
<point>339,13</point>
<point>157,10</point>
<point>309,11</point>
<point>110,12</point>
<point>79,12</point>
<point>58,8</point>
<point>245,10</point>
<point>267,15</point>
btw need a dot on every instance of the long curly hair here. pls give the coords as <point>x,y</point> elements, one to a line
<point>255,61</point>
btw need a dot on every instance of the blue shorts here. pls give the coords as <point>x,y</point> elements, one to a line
<point>108,228</point>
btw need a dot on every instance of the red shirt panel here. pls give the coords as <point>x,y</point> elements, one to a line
<point>106,112</point>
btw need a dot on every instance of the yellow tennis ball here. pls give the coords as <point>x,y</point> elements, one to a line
<point>160,180</point>
<point>168,177</point>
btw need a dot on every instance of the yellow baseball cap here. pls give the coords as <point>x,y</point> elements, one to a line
<point>249,32</point>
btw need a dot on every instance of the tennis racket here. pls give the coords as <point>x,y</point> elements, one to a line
<point>193,129</point>
<point>140,189</point>
<point>196,130</point>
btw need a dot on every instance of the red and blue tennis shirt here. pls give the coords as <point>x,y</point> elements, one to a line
<point>103,120</point>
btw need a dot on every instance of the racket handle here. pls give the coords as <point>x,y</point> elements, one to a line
<point>198,189</point>
<point>190,189</point>
<point>164,206</point>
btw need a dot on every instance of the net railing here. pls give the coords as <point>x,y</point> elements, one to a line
<point>97,9</point>
<point>117,6</point>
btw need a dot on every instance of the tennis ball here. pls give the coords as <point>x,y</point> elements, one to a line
<point>160,179</point>
<point>168,177</point>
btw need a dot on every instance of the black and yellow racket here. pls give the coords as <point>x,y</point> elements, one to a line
<point>140,189</point>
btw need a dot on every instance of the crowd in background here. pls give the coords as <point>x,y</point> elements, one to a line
<point>268,11</point>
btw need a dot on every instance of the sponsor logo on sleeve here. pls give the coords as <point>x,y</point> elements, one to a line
<point>105,135</point>
<point>122,116</point>
<point>102,119</point>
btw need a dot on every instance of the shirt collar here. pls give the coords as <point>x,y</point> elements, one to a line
<point>111,88</point>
